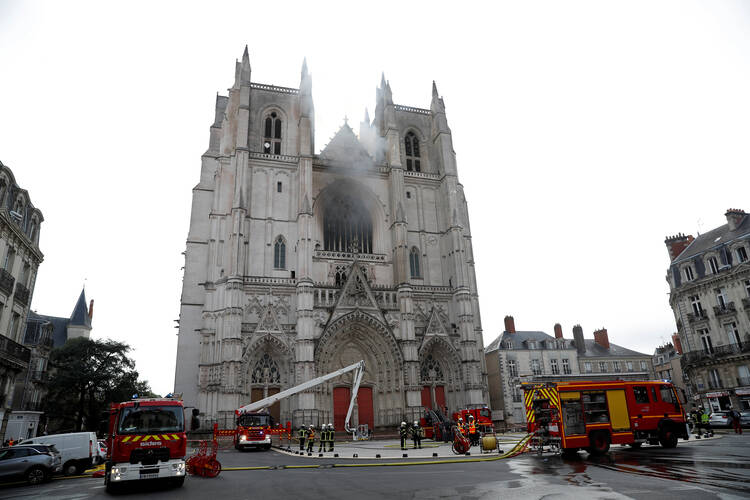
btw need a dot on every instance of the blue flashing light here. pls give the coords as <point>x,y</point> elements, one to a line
<point>135,396</point>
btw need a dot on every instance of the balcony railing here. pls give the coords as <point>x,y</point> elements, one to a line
<point>6,281</point>
<point>38,376</point>
<point>14,353</point>
<point>726,310</point>
<point>743,381</point>
<point>716,353</point>
<point>22,294</point>
<point>700,316</point>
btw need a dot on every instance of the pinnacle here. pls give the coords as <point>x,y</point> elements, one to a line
<point>304,66</point>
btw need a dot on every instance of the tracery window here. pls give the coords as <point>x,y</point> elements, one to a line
<point>414,262</point>
<point>347,226</point>
<point>266,371</point>
<point>279,254</point>
<point>411,148</point>
<point>431,369</point>
<point>272,134</point>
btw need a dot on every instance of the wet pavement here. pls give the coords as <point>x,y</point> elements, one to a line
<point>711,469</point>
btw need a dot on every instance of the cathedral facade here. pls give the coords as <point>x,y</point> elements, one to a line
<point>299,263</point>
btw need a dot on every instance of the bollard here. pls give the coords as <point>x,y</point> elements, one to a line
<point>434,454</point>
<point>377,456</point>
<point>405,455</point>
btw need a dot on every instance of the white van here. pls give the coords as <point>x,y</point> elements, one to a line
<point>78,450</point>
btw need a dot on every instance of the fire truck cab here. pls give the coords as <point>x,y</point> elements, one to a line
<point>592,415</point>
<point>146,440</point>
<point>253,430</point>
<point>482,417</point>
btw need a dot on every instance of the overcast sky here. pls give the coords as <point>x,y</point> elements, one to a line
<point>585,133</point>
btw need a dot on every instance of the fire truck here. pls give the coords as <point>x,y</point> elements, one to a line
<point>482,417</point>
<point>146,441</point>
<point>592,415</point>
<point>255,426</point>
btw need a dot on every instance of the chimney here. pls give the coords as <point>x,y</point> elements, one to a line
<point>677,243</point>
<point>677,343</point>
<point>558,331</point>
<point>578,339</point>
<point>510,325</point>
<point>601,338</point>
<point>735,217</point>
<point>91,309</point>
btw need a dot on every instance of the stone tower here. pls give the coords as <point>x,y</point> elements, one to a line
<point>300,263</point>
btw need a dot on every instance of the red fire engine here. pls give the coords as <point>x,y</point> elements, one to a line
<point>254,429</point>
<point>146,441</point>
<point>592,415</point>
<point>482,417</point>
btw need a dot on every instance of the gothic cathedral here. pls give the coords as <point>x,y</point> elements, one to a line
<point>299,263</point>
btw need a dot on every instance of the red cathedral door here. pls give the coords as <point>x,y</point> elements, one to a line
<point>440,396</point>
<point>341,397</point>
<point>364,405</point>
<point>426,397</point>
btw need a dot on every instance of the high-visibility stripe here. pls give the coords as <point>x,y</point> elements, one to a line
<point>126,439</point>
<point>175,436</point>
<point>137,438</point>
<point>165,437</point>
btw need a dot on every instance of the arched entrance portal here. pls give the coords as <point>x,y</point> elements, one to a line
<point>268,371</point>
<point>380,399</point>
<point>439,370</point>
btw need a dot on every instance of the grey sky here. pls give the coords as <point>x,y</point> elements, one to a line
<point>585,133</point>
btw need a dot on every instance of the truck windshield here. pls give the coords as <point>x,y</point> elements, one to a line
<point>254,420</point>
<point>146,419</point>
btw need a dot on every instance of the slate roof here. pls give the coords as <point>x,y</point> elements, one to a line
<point>593,350</point>
<point>707,241</point>
<point>59,325</point>
<point>80,315</point>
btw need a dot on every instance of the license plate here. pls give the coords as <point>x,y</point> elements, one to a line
<point>152,475</point>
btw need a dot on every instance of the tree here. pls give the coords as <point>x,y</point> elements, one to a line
<point>89,375</point>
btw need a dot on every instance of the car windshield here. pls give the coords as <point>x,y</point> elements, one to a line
<point>144,419</point>
<point>254,420</point>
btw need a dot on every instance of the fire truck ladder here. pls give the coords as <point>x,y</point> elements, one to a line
<point>358,368</point>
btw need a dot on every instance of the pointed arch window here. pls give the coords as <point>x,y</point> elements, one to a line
<point>414,263</point>
<point>272,134</point>
<point>411,148</point>
<point>279,254</point>
<point>266,371</point>
<point>347,225</point>
<point>431,370</point>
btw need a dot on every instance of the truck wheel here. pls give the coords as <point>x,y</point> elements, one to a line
<point>667,437</point>
<point>69,468</point>
<point>36,475</point>
<point>177,482</point>
<point>599,443</point>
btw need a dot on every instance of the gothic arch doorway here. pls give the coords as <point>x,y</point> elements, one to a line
<point>439,373</point>
<point>380,399</point>
<point>267,369</point>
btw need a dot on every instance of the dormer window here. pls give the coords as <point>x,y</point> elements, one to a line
<point>713,265</point>
<point>741,254</point>
<point>272,134</point>
<point>689,274</point>
<point>531,344</point>
<point>411,148</point>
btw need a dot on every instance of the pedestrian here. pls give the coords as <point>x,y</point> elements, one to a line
<point>301,434</point>
<point>416,435</point>
<point>310,438</point>
<point>403,432</point>
<point>736,420</point>
<point>331,433</point>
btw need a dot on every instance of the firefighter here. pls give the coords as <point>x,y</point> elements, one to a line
<point>416,434</point>
<point>473,435</point>
<point>330,437</point>
<point>403,432</point>
<point>310,438</point>
<point>323,438</point>
<point>302,432</point>
<point>460,426</point>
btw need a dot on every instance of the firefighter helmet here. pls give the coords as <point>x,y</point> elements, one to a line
<point>416,423</point>
<point>403,424</point>
<point>460,419</point>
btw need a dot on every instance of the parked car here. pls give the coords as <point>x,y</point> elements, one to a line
<point>79,450</point>
<point>27,462</point>
<point>102,452</point>
<point>719,419</point>
<point>745,418</point>
<point>47,449</point>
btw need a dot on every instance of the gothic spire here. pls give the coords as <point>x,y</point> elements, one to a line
<point>245,67</point>
<point>434,90</point>
<point>304,67</point>
<point>367,117</point>
<point>382,80</point>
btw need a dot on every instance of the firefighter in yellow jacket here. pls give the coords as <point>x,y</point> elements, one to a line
<point>310,438</point>
<point>301,434</point>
